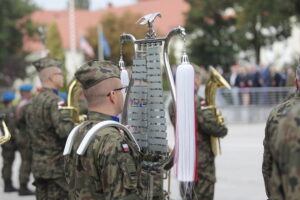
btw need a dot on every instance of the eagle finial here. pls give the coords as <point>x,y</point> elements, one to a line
<point>149,19</point>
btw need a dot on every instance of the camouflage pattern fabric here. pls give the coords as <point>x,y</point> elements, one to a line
<point>207,126</point>
<point>48,128</point>
<point>10,147</point>
<point>51,189</point>
<point>94,72</point>
<point>24,144</point>
<point>47,62</point>
<point>108,170</point>
<point>285,151</point>
<point>275,116</point>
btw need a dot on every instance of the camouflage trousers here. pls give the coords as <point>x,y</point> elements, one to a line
<point>25,168</point>
<point>51,189</point>
<point>8,155</point>
<point>202,190</point>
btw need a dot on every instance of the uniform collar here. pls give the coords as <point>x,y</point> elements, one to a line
<point>55,91</point>
<point>100,116</point>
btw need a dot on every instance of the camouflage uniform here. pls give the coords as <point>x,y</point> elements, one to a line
<point>10,147</point>
<point>23,142</point>
<point>48,128</point>
<point>276,115</point>
<point>207,126</point>
<point>285,152</point>
<point>106,171</point>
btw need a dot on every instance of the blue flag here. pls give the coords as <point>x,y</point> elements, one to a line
<point>105,44</point>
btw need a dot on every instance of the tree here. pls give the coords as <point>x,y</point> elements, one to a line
<point>13,25</point>
<point>113,27</point>
<point>53,42</point>
<point>261,23</point>
<point>252,25</point>
<point>211,33</point>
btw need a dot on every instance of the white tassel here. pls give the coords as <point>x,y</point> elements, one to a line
<point>185,153</point>
<point>124,74</point>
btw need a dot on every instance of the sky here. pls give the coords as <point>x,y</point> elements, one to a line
<point>94,4</point>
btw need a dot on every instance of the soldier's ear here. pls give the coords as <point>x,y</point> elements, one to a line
<point>112,97</point>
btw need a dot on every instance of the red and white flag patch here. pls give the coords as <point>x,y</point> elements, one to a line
<point>125,147</point>
<point>60,104</point>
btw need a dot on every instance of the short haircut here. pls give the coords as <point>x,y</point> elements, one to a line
<point>96,94</point>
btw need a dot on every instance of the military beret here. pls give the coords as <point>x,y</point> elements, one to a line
<point>8,96</point>
<point>26,87</point>
<point>47,62</point>
<point>95,71</point>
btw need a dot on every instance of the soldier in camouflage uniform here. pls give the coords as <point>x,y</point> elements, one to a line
<point>23,140</point>
<point>48,128</point>
<point>277,115</point>
<point>285,151</point>
<point>207,125</point>
<point>109,169</point>
<point>10,147</point>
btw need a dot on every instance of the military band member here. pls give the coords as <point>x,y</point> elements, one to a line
<point>23,140</point>
<point>207,125</point>
<point>49,128</point>
<point>109,168</point>
<point>10,147</point>
<point>274,137</point>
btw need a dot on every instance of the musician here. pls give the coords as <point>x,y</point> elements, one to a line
<point>109,169</point>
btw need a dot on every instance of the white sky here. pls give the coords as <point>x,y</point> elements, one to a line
<point>94,4</point>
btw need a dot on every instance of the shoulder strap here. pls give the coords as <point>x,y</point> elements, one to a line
<point>90,134</point>
<point>70,140</point>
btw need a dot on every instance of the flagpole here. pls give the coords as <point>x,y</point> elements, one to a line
<point>72,30</point>
<point>100,45</point>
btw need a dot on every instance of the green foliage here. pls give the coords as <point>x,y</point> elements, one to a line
<point>216,36</point>
<point>113,27</point>
<point>211,41</point>
<point>261,23</point>
<point>13,25</point>
<point>53,42</point>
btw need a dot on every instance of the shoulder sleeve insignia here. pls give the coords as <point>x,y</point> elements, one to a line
<point>125,147</point>
<point>60,104</point>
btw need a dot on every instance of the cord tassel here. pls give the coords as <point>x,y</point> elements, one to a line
<point>185,152</point>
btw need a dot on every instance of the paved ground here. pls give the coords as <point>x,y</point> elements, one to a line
<point>238,168</point>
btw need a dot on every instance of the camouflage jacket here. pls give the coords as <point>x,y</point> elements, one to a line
<point>107,170</point>
<point>276,115</point>
<point>48,129</point>
<point>207,126</point>
<point>23,136</point>
<point>285,152</point>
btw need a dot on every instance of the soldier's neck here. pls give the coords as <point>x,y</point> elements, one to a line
<point>105,109</point>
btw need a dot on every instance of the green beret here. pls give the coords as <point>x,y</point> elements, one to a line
<point>95,71</point>
<point>47,62</point>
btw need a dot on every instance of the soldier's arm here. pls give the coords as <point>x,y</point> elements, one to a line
<point>285,180</point>
<point>118,170</point>
<point>21,120</point>
<point>61,120</point>
<point>267,158</point>
<point>209,124</point>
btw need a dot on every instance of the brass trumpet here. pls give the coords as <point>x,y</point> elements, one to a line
<point>6,137</point>
<point>74,91</point>
<point>215,82</point>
